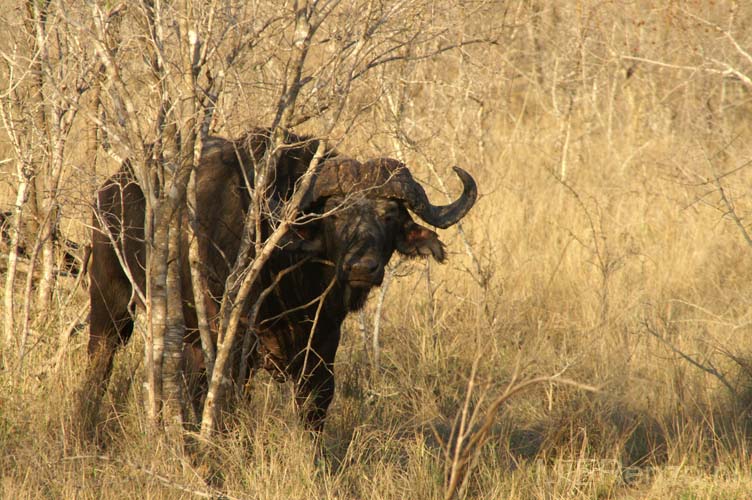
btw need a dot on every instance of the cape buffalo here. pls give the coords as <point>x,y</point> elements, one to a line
<point>357,216</point>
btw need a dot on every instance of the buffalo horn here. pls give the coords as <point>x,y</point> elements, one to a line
<point>403,186</point>
<point>390,178</point>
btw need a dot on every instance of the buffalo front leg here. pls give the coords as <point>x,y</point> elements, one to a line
<point>110,326</point>
<point>314,389</point>
<point>313,394</point>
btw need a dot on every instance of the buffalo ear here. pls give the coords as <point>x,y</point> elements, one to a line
<point>416,240</point>
<point>304,239</point>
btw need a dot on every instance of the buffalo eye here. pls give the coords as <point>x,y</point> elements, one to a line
<point>390,215</point>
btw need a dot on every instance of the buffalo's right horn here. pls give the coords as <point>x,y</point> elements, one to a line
<point>403,186</point>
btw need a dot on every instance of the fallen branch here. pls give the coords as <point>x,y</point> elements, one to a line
<point>709,368</point>
<point>469,442</point>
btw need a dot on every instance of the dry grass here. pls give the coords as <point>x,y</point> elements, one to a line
<point>616,274</point>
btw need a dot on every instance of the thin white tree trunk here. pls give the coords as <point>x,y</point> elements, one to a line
<point>51,208</point>
<point>172,361</point>
<point>10,276</point>
<point>27,302</point>
<point>47,245</point>
<point>377,318</point>
<point>198,282</point>
<point>157,312</point>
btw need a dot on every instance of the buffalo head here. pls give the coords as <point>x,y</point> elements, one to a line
<point>361,217</point>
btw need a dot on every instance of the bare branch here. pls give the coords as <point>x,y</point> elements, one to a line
<point>707,368</point>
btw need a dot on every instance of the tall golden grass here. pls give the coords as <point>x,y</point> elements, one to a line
<point>600,135</point>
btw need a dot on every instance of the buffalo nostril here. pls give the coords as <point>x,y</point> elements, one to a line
<point>373,265</point>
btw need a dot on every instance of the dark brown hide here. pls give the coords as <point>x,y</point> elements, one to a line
<point>357,217</point>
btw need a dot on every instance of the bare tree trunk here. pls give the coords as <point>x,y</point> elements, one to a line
<point>175,148</point>
<point>165,312</point>
<point>198,279</point>
<point>10,276</point>
<point>37,12</point>
<point>431,307</point>
<point>172,364</point>
<point>377,318</point>
<point>157,312</point>
<point>51,208</point>
<point>92,130</point>
<point>363,329</point>
<point>27,298</point>
<point>45,287</point>
<point>193,57</point>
